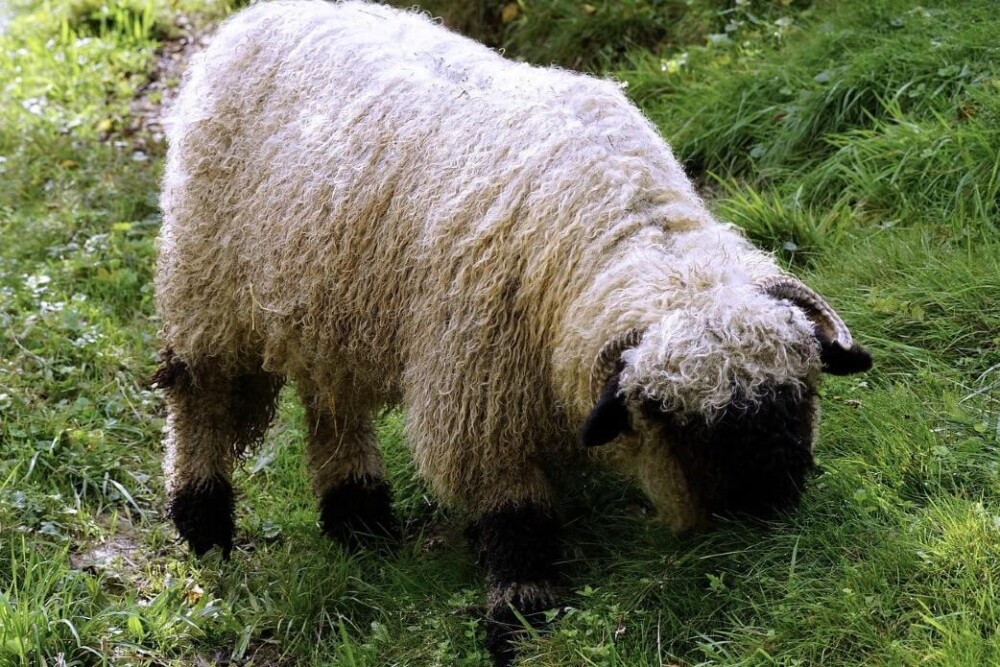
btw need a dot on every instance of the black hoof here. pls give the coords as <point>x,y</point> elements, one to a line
<point>203,515</point>
<point>504,625</point>
<point>358,509</point>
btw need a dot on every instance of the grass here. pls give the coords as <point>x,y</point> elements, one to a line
<point>858,140</point>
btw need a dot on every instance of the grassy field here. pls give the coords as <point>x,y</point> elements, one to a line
<point>857,139</point>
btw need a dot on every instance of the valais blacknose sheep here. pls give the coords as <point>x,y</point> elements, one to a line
<point>385,212</point>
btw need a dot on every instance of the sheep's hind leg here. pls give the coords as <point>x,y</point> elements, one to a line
<point>520,547</point>
<point>211,419</point>
<point>347,473</point>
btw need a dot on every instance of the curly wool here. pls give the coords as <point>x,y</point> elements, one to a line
<point>362,201</point>
<point>729,344</point>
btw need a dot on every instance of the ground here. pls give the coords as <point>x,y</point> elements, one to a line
<point>859,140</point>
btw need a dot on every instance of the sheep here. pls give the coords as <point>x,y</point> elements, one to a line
<point>384,212</point>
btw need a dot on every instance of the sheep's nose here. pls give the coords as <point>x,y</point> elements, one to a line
<point>749,481</point>
<point>774,485</point>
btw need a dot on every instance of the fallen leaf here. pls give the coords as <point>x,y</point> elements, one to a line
<point>194,594</point>
<point>509,12</point>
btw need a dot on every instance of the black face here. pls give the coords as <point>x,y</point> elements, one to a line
<point>751,460</point>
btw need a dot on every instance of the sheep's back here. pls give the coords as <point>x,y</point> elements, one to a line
<point>348,182</point>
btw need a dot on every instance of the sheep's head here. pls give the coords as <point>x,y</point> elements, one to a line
<point>717,401</point>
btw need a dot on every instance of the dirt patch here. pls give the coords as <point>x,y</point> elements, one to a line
<point>145,130</point>
<point>258,654</point>
<point>117,558</point>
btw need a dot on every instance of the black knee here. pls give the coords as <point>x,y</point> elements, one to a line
<point>356,508</point>
<point>520,544</point>
<point>203,514</point>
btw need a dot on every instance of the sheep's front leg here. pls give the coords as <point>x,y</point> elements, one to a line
<point>521,546</point>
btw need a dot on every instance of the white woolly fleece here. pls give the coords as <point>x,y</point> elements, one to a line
<point>728,342</point>
<point>359,199</point>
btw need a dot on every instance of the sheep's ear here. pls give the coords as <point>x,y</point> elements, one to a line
<point>608,419</point>
<point>838,360</point>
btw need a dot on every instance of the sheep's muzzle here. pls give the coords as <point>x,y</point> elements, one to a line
<point>751,460</point>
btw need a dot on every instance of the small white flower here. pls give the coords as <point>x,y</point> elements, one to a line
<point>37,283</point>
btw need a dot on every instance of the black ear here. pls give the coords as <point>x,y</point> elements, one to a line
<point>608,419</point>
<point>841,361</point>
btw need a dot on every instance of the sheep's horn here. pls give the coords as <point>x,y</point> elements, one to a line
<point>607,360</point>
<point>828,324</point>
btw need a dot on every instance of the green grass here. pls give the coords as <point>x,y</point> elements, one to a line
<point>856,139</point>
